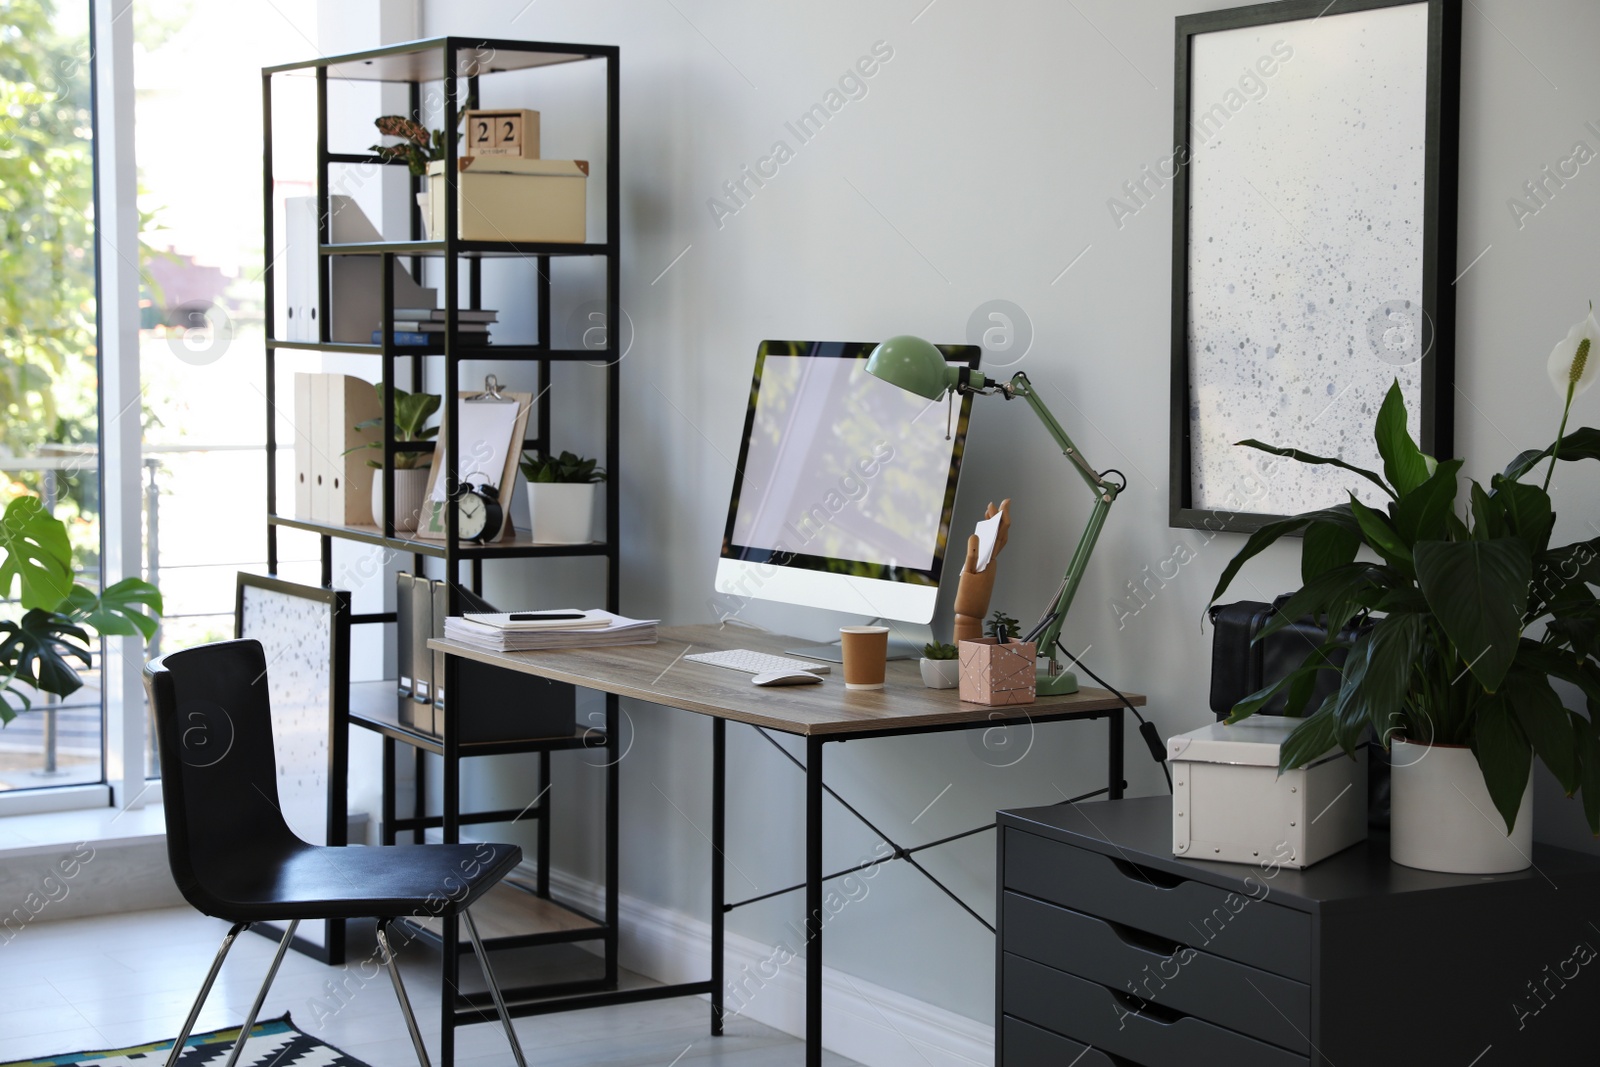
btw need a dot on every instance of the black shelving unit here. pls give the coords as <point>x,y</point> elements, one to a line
<point>457,63</point>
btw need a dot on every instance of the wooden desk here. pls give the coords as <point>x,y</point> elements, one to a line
<point>822,713</point>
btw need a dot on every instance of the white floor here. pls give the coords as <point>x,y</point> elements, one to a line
<point>113,981</point>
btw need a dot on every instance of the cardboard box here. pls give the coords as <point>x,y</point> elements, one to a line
<point>504,199</point>
<point>502,132</point>
<point>1229,803</point>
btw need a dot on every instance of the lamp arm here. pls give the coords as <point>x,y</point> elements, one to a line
<point>1048,630</point>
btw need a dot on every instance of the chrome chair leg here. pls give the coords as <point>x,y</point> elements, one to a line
<point>494,987</point>
<point>205,990</point>
<point>393,964</point>
<point>266,984</point>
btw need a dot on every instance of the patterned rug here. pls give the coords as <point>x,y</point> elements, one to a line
<point>276,1043</point>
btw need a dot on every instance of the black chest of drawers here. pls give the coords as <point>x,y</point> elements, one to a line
<point>1113,953</point>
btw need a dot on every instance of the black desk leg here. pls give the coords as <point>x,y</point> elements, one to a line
<point>450,927</point>
<point>542,885</point>
<point>613,797</point>
<point>719,790</point>
<point>814,902</point>
<point>1114,756</point>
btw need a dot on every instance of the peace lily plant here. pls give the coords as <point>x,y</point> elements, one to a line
<point>1472,612</point>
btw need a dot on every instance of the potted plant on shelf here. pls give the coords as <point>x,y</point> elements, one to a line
<point>37,650</point>
<point>999,669</point>
<point>411,414</point>
<point>940,667</point>
<point>561,497</point>
<point>1472,616</point>
<point>418,146</point>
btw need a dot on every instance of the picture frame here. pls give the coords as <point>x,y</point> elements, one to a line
<point>305,633</point>
<point>1314,176</point>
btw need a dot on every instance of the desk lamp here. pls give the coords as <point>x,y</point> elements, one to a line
<point>918,367</point>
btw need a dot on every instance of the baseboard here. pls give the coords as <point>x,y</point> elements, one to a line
<point>868,1023</point>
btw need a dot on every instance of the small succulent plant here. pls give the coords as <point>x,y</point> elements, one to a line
<point>939,650</point>
<point>1003,628</point>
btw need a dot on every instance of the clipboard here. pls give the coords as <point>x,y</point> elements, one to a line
<point>493,426</point>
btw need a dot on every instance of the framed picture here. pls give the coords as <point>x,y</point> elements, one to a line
<point>1314,247</point>
<point>305,633</point>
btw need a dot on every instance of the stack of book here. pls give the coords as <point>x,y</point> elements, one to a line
<point>523,631</point>
<point>425,326</point>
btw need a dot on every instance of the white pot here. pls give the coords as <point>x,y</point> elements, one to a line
<point>1443,820</point>
<point>940,673</point>
<point>561,513</point>
<point>409,488</point>
<point>426,208</point>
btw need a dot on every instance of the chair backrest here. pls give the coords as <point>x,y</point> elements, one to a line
<point>218,773</point>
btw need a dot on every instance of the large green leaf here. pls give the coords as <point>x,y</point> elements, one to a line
<point>1377,678</point>
<point>1422,515</point>
<point>1403,462</point>
<point>1549,660</point>
<point>37,552</point>
<point>1545,722</point>
<point>1504,756</point>
<point>1381,535</point>
<point>1478,591</point>
<point>128,608</point>
<point>1306,457</point>
<point>1318,596</point>
<point>1314,736</point>
<point>1580,444</point>
<point>14,701</point>
<point>1295,687</point>
<point>36,649</point>
<point>1324,547</point>
<point>1488,515</point>
<point>1527,511</point>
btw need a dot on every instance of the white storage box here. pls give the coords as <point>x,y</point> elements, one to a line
<point>1229,802</point>
<point>500,198</point>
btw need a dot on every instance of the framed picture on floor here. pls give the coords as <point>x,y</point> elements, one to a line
<point>305,633</point>
<point>1314,247</point>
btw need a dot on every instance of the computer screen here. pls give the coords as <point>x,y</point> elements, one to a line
<point>845,484</point>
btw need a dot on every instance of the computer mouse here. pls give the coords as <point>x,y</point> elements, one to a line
<point>786,678</point>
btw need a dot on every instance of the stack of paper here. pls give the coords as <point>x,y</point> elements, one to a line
<point>588,629</point>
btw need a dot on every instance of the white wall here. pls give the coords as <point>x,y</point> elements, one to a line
<point>977,167</point>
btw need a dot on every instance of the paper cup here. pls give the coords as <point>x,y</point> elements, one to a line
<point>866,654</point>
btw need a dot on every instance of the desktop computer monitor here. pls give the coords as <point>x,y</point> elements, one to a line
<point>845,484</point>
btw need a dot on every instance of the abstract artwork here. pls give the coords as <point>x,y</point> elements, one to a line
<point>1314,247</point>
<point>305,634</point>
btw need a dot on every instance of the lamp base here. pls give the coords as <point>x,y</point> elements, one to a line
<point>1057,685</point>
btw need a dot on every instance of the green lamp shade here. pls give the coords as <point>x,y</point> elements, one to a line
<point>914,365</point>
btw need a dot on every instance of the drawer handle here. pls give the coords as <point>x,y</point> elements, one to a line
<point>1158,879</point>
<point>1144,939</point>
<point>1145,1009</point>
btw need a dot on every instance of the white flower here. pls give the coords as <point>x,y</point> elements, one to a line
<point>1575,361</point>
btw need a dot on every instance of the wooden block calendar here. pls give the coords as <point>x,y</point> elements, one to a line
<point>503,133</point>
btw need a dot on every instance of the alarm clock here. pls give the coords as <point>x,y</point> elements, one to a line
<point>479,516</point>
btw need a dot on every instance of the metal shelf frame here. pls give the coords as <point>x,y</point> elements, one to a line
<point>456,64</point>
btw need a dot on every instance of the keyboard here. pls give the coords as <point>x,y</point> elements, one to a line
<point>742,659</point>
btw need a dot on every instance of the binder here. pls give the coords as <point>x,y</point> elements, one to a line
<point>402,628</point>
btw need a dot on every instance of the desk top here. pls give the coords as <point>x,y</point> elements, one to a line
<point>659,674</point>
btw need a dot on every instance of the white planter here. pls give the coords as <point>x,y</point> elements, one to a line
<point>1443,820</point>
<point>561,513</point>
<point>940,673</point>
<point>409,488</point>
<point>426,208</point>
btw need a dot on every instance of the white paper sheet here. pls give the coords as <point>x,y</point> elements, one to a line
<point>988,532</point>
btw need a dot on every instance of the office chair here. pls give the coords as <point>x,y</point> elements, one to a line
<point>234,856</point>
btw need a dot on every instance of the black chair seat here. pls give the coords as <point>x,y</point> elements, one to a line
<point>315,882</point>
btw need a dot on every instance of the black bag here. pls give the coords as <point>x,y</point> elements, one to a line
<point>1241,665</point>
